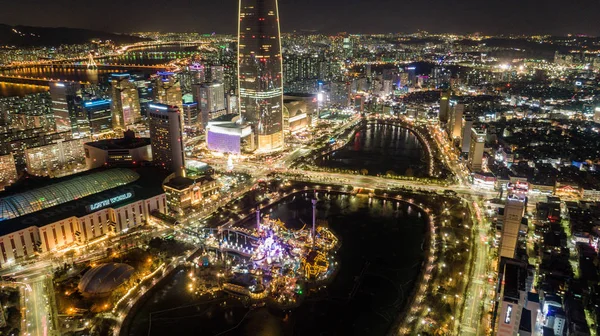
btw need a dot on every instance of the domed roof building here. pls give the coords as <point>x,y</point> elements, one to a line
<point>103,279</point>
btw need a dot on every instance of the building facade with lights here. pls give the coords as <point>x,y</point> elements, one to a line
<point>125,101</point>
<point>8,170</point>
<point>511,224</point>
<point>476,148</point>
<point>209,96</point>
<point>67,110</point>
<point>166,137</point>
<point>99,114</point>
<point>229,137</point>
<point>185,193</point>
<point>45,160</point>
<point>128,151</point>
<point>260,72</point>
<point>77,210</point>
<point>168,89</point>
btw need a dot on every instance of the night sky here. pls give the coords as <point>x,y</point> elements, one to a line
<point>328,16</point>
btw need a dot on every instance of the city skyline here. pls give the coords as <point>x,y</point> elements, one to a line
<point>181,183</point>
<point>380,16</point>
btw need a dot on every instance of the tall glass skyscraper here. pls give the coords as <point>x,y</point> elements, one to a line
<point>125,101</point>
<point>260,72</point>
<point>66,106</point>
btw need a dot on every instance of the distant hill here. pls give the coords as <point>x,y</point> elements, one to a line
<point>26,36</point>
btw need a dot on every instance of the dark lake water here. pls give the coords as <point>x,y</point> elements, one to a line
<point>380,259</point>
<point>380,148</point>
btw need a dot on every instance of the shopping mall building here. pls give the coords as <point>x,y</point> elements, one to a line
<point>77,209</point>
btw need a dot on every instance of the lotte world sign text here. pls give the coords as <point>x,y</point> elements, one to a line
<point>109,201</point>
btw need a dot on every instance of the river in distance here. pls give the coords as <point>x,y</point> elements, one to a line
<point>149,56</point>
<point>379,149</point>
<point>380,259</point>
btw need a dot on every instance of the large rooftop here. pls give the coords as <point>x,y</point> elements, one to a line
<point>141,183</point>
<point>123,143</point>
<point>27,202</point>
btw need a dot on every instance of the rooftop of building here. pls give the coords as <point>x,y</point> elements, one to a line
<point>525,323</point>
<point>127,142</point>
<point>80,191</point>
<point>533,297</point>
<point>515,276</point>
<point>181,183</point>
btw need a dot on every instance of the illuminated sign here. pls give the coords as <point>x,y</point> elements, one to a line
<point>96,103</point>
<point>158,107</point>
<point>109,201</point>
<point>508,314</point>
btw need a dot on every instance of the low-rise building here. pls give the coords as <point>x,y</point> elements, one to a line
<point>127,151</point>
<point>184,193</point>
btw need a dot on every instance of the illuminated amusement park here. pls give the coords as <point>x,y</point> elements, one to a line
<point>270,262</point>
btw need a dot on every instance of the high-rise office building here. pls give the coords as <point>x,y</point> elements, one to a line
<point>192,118</point>
<point>465,140</point>
<point>511,224</point>
<point>455,120</point>
<point>260,72</point>
<point>145,93</point>
<point>125,101</point>
<point>209,96</point>
<point>217,73</point>
<point>168,89</point>
<point>444,106</point>
<point>166,137</point>
<point>476,147</point>
<point>99,115</point>
<point>67,110</point>
<point>197,71</point>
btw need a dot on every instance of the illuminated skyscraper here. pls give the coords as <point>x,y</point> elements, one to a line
<point>168,91</point>
<point>260,72</point>
<point>209,96</point>
<point>99,114</point>
<point>513,215</point>
<point>67,110</point>
<point>476,148</point>
<point>466,133</point>
<point>166,137</point>
<point>444,106</point>
<point>125,101</point>
<point>455,120</point>
<point>217,73</point>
